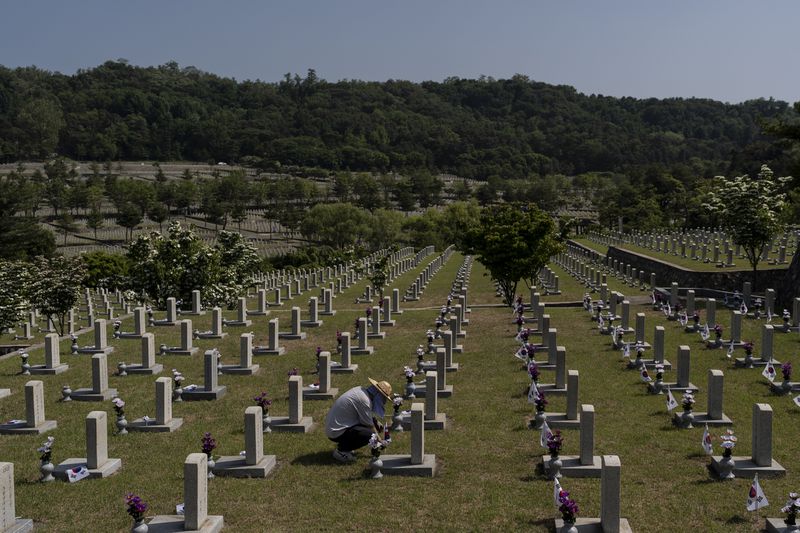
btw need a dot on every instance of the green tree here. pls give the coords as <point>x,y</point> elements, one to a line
<point>65,224</point>
<point>104,269</point>
<point>336,225</point>
<point>750,210</point>
<point>15,282</point>
<point>95,221</point>
<point>129,216</point>
<point>513,242</point>
<point>56,287</point>
<point>178,262</point>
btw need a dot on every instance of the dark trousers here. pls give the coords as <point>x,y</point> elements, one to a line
<point>354,437</point>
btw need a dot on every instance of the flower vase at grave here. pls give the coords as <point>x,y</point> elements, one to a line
<point>211,465</point>
<point>66,393</point>
<point>568,527</point>
<point>376,463</point>
<point>266,421</point>
<point>397,419</point>
<point>177,394</point>
<point>46,468</point>
<point>26,367</point>
<point>122,368</point>
<point>748,357</point>
<point>139,527</point>
<point>411,388</point>
<point>687,418</point>
<point>726,465</point>
<point>122,425</point>
<point>539,419</point>
<point>554,466</point>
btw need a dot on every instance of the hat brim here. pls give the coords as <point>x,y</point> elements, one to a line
<point>383,393</point>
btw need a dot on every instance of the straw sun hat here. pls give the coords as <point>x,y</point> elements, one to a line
<point>383,386</point>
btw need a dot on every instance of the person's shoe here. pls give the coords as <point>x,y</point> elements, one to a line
<point>343,457</point>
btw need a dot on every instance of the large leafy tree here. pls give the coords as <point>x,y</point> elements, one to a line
<point>513,241</point>
<point>15,282</point>
<point>56,287</point>
<point>749,209</point>
<point>179,262</point>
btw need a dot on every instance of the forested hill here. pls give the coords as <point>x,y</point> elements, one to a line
<point>473,128</point>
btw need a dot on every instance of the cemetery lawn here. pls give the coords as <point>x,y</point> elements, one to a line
<point>687,263</point>
<point>488,478</point>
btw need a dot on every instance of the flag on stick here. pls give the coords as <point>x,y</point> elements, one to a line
<point>544,435</point>
<point>769,372</point>
<point>756,499</point>
<point>707,441</point>
<point>672,403</point>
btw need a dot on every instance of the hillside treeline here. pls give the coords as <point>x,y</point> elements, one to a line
<point>475,128</point>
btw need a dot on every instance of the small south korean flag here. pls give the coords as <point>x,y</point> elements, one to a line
<point>672,403</point>
<point>78,473</point>
<point>626,351</point>
<point>707,441</point>
<point>533,392</point>
<point>544,435</point>
<point>769,372</point>
<point>730,350</point>
<point>796,400</point>
<point>557,492</point>
<point>756,499</point>
<point>645,375</point>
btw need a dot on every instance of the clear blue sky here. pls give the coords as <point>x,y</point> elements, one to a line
<point>728,50</point>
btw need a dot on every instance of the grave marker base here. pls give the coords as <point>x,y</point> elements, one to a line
<point>327,313</point>
<point>458,348</point>
<point>22,429</point>
<point>344,369</point>
<point>592,525</point>
<point>550,389</point>
<point>259,350</point>
<point>163,323</point>
<point>315,394</point>
<point>366,351</point>
<point>292,337</point>
<point>651,363</point>
<point>444,393</point>
<point>179,351</point>
<point>238,323</point>
<point>88,349</point>
<point>108,468</point>
<point>202,394</point>
<point>381,335</point>
<point>147,370</point>
<point>388,323</point>
<point>746,468</point>
<point>43,370</point>
<point>240,370</point>
<point>777,525</point>
<point>191,313</point>
<point>572,467</point>
<point>438,423</point>
<point>311,323</point>
<point>22,525</point>
<point>211,335</point>
<point>703,418</point>
<point>87,395</point>
<point>151,426</point>
<point>400,465</point>
<point>281,423</point>
<point>676,389</point>
<point>5,392</point>
<point>174,524</point>
<point>257,313</point>
<point>128,335</point>
<point>560,421</point>
<point>236,466</point>
<point>757,362</point>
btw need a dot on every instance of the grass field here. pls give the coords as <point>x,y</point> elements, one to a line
<point>488,479</point>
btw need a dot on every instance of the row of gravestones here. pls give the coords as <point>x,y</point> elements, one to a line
<point>417,287</point>
<point>577,416</point>
<point>253,464</point>
<point>586,464</point>
<point>700,242</point>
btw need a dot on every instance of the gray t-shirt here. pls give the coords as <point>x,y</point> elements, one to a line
<point>353,408</point>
